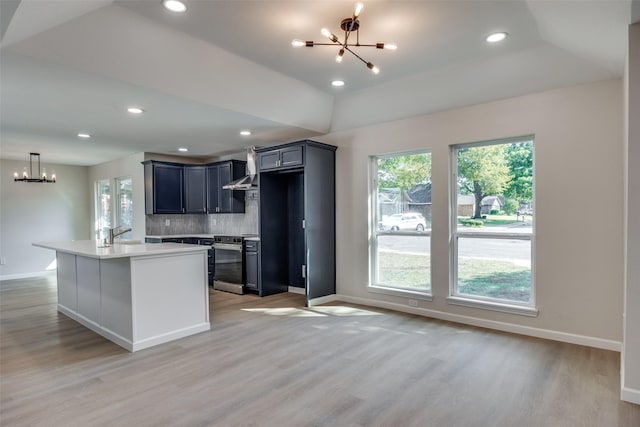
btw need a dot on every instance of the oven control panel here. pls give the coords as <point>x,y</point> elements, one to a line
<point>228,239</point>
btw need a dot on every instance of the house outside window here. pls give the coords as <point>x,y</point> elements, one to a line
<point>400,258</point>
<point>492,224</point>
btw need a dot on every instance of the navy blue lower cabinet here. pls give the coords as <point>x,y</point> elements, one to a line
<point>252,266</point>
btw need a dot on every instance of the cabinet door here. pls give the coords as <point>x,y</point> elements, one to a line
<point>213,189</point>
<point>195,189</point>
<point>251,270</point>
<point>224,196</point>
<point>168,185</point>
<point>268,160</point>
<point>291,156</point>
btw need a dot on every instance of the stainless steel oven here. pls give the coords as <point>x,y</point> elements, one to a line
<point>229,264</point>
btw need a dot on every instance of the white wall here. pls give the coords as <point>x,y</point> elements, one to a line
<point>631,350</point>
<point>33,212</point>
<point>130,166</point>
<point>579,202</point>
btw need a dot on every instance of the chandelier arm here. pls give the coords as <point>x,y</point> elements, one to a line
<point>356,55</point>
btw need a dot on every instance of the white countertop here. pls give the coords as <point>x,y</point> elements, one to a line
<point>93,249</point>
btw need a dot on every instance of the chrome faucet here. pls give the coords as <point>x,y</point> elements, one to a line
<point>113,233</point>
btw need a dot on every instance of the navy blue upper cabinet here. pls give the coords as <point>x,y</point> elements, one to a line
<point>164,188</point>
<point>195,188</point>
<point>219,174</point>
<point>281,158</point>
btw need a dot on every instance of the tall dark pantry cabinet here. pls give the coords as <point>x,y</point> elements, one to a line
<point>297,218</point>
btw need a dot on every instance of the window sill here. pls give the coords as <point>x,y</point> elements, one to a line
<point>494,306</point>
<point>379,289</point>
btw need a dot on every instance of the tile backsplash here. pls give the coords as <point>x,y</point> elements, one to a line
<point>226,224</point>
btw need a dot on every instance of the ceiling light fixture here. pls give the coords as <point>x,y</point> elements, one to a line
<point>183,149</point>
<point>30,177</point>
<point>84,135</point>
<point>496,37</point>
<point>348,25</point>
<point>337,83</point>
<point>174,6</point>
<point>245,132</point>
<point>135,110</point>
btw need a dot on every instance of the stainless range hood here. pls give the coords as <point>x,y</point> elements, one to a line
<point>250,181</point>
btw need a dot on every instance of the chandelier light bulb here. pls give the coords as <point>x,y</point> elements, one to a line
<point>339,56</point>
<point>15,175</point>
<point>53,176</point>
<point>325,32</point>
<point>391,46</point>
<point>24,173</point>
<point>297,43</point>
<point>373,68</point>
<point>358,9</point>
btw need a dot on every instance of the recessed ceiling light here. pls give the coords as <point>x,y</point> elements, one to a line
<point>245,132</point>
<point>183,149</point>
<point>337,83</point>
<point>496,37</point>
<point>135,110</point>
<point>84,135</point>
<point>174,5</point>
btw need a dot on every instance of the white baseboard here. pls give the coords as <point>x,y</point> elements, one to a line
<point>630,395</point>
<point>27,275</point>
<point>322,300</point>
<point>126,343</point>
<point>490,324</point>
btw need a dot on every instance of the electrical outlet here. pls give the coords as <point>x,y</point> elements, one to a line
<point>3,261</point>
<point>167,222</point>
<point>413,302</point>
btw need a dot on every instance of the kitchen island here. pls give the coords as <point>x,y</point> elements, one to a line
<point>136,295</point>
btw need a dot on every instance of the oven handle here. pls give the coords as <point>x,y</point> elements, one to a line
<point>227,247</point>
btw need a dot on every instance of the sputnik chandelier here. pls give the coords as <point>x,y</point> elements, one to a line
<point>349,25</point>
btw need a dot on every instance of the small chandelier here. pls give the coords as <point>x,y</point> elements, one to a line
<point>30,177</point>
<point>349,25</point>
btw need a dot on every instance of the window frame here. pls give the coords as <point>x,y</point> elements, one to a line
<point>477,301</point>
<point>374,232</point>
<point>114,193</point>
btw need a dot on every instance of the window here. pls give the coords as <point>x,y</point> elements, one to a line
<point>124,210</point>
<point>109,215</point>
<point>103,208</point>
<point>401,223</point>
<point>492,224</point>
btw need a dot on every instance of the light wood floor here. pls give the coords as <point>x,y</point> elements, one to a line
<point>270,362</point>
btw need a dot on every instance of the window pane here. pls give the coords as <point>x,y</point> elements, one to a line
<point>404,262</point>
<point>403,221</point>
<point>495,188</point>
<point>495,268</point>
<point>103,208</point>
<point>124,210</point>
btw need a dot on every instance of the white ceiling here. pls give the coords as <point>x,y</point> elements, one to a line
<point>223,66</point>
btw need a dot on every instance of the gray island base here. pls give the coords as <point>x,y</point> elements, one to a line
<point>136,295</point>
